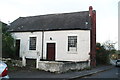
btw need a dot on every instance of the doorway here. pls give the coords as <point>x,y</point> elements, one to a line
<point>17,50</point>
<point>51,51</point>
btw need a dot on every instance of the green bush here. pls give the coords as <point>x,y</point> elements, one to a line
<point>102,55</point>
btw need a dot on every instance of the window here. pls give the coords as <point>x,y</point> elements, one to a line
<point>72,43</point>
<point>32,43</point>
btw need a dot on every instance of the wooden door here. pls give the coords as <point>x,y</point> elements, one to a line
<point>51,51</point>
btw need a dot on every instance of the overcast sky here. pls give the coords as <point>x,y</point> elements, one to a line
<point>106,12</point>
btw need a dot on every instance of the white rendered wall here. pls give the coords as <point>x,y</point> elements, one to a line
<point>24,43</point>
<point>61,40</point>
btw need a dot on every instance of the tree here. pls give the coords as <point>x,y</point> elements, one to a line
<point>101,54</point>
<point>109,45</point>
<point>103,51</point>
<point>8,49</point>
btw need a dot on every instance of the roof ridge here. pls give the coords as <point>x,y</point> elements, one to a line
<point>55,14</point>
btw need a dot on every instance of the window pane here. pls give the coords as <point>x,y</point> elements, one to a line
<point>72,43</point>
<point>32,43</point>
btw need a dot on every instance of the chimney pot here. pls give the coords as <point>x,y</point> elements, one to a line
<point>90,10</point>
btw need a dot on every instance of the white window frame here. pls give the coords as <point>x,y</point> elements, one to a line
<point>30,43</point>
<point>72,43</point>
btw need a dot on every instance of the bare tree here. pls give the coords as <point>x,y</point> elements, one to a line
<point>109,45</point>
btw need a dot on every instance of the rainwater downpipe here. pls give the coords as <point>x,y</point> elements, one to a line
<point>42,44</point>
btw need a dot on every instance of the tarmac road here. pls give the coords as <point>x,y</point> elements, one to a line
<point>98,72</point>
<point>112,73</point>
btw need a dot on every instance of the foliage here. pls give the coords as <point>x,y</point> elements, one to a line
<point>118,52</point>
<point>101,54</point>
<point>115,55</point>
<point>8,49</point>
<point>103,51</point>
<point>109,45</point>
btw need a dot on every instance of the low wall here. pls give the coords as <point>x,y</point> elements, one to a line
<point>60,67</point>
<point>12,62</point>
<point>113,62</point>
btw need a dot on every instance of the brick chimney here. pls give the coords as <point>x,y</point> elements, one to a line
<point>90,11</point>
<point>92,15</point>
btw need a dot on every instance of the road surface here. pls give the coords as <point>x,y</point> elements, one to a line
<point>112,73</point>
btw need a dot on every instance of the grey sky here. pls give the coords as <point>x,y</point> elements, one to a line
<point>107,12</point>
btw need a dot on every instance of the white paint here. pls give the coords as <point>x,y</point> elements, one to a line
<point>37,60</point>
<point>60,38</point>
<point>24,43</point>
<point>23,60</point>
